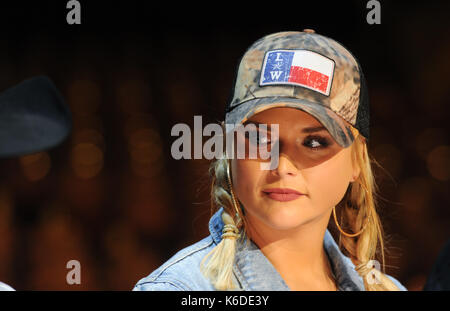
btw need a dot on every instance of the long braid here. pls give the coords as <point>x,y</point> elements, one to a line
<point>219,267</point>
<point>358,204</point>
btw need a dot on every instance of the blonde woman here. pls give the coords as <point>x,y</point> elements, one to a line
<point>269,226</point>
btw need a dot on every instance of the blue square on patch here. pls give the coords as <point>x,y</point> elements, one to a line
<point>276,67</point>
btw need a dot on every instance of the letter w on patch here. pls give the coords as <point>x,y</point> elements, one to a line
<point>298,67</point>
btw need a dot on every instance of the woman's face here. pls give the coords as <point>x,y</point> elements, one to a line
<point>310,162</point>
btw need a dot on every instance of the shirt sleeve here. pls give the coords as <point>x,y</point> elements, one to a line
<point>158,286</point>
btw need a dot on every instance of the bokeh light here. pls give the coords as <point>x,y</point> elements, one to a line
<point>86,160</point>
<point>35,166</point>
<point>438,163</point>
<point>145,152</point>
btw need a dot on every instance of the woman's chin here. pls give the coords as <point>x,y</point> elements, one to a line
<point>286,216</point>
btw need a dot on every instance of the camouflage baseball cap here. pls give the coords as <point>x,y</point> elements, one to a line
<point>307,71</point>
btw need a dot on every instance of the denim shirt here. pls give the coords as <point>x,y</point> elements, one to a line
<point>252,271</point>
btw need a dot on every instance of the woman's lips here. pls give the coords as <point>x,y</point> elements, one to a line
<point>282,194</point>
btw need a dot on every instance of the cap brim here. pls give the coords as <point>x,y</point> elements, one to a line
<point>336,126</point>
<point>33,118</point>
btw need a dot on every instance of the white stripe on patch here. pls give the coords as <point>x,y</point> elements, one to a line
<point>298,67</point>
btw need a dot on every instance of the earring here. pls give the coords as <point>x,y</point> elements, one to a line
<point>351,235</point>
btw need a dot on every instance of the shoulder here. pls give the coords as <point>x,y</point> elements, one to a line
<point>181,271</point>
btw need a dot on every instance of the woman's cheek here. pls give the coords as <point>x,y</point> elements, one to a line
<point>327,185</point>
<point>244,181</point>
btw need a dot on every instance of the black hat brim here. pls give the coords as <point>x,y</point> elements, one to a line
<point>33,118</point>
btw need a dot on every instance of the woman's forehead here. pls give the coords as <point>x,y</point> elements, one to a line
<point>284,116</point>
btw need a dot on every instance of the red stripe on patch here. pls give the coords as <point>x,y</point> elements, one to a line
<point>308,77</point>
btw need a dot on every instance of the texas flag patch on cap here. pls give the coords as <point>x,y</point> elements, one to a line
<point>298,67</point>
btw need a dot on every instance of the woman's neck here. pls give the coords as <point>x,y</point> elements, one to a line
<point>297,254</point>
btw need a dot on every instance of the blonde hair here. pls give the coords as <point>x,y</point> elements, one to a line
<point>357,205</point>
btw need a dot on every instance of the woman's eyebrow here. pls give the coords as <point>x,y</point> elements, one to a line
<point>257,123</point>
<point>311,129</point>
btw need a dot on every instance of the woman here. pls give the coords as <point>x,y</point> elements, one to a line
<point>269,226</point>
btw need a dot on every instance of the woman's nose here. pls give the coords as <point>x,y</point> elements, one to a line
<point>286,167</point>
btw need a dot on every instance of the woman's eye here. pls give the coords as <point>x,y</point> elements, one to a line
<point>316,142</point>
<point>263,139</point>
<point>259,137</point>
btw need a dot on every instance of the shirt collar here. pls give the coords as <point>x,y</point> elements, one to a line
<point>255,272</point>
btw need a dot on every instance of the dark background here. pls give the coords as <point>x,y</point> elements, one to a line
<point>113,198</point>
